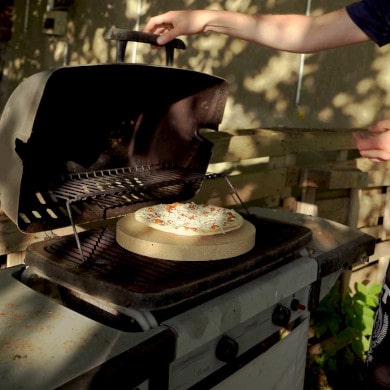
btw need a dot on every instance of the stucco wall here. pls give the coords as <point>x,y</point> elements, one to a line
<point>341,88</point>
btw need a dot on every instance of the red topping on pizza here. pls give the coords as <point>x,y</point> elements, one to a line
<point>190,218</point>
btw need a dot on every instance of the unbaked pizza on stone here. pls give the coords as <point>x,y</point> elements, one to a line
<point>186,232</point>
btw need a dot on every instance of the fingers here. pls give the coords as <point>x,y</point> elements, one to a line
<point>375,143</point>
<point>156,24</point>
<point>380,126</point>
<point>166,37</point>
<point>162,25</point>
<point>376,155</point>
<point>174,23</point>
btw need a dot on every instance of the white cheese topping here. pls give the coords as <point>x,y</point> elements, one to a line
<point>190,218</point>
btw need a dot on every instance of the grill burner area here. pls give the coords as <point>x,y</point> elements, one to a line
<point>114,274</point>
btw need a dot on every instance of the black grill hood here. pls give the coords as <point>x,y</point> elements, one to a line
<point>85,121</point>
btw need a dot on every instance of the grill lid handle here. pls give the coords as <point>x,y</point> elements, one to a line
<point>123,36</point>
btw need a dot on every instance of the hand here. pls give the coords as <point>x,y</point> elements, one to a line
<point>174,23</point>
<point>375,143</point>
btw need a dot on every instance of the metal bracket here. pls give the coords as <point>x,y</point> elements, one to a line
<point>122,36</point>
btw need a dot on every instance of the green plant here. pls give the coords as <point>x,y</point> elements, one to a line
<point>341,328</point>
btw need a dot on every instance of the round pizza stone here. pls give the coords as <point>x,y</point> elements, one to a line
<point>138,238</point>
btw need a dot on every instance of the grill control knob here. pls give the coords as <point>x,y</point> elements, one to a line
<point>281,315</point>
<point>296,305</point>
<point>227,349</point>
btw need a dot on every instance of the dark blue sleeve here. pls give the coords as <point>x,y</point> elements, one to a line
<point>373,17</point>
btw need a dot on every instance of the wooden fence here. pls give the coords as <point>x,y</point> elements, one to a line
<point>316,172</point>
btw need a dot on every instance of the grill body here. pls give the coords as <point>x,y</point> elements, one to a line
<point>229,339</point>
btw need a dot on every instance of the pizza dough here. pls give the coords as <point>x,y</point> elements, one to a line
<point>190,219</point>
<point>144,240</point>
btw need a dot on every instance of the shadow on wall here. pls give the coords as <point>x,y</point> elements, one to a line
<point>340,88</point>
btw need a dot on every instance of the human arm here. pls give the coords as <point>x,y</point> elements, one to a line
<point>294,33</point>
<point>375,144</point>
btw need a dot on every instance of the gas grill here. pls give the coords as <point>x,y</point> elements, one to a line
<point>82,311</point>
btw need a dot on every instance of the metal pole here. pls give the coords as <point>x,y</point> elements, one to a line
<point>301,64</point>
<point>26,16</point>
<point>136,27</point>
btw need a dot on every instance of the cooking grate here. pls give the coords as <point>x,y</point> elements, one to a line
<point>119,186</point>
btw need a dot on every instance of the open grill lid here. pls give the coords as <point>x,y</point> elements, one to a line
<point>95,139</point>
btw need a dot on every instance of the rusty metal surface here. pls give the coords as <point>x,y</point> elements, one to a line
<point>44,344</point>
<point>336,247</point>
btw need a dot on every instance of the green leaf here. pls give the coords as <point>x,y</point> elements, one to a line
<point>374,289</point>
<point>343,325</point>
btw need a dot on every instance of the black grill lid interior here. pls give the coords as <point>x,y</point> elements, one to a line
<point>82,126</point>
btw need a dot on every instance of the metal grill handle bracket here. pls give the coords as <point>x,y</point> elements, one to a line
<point>122,36</point>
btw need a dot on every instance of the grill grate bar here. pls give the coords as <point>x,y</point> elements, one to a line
<point>103,254</point>
<point>123,181</point>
